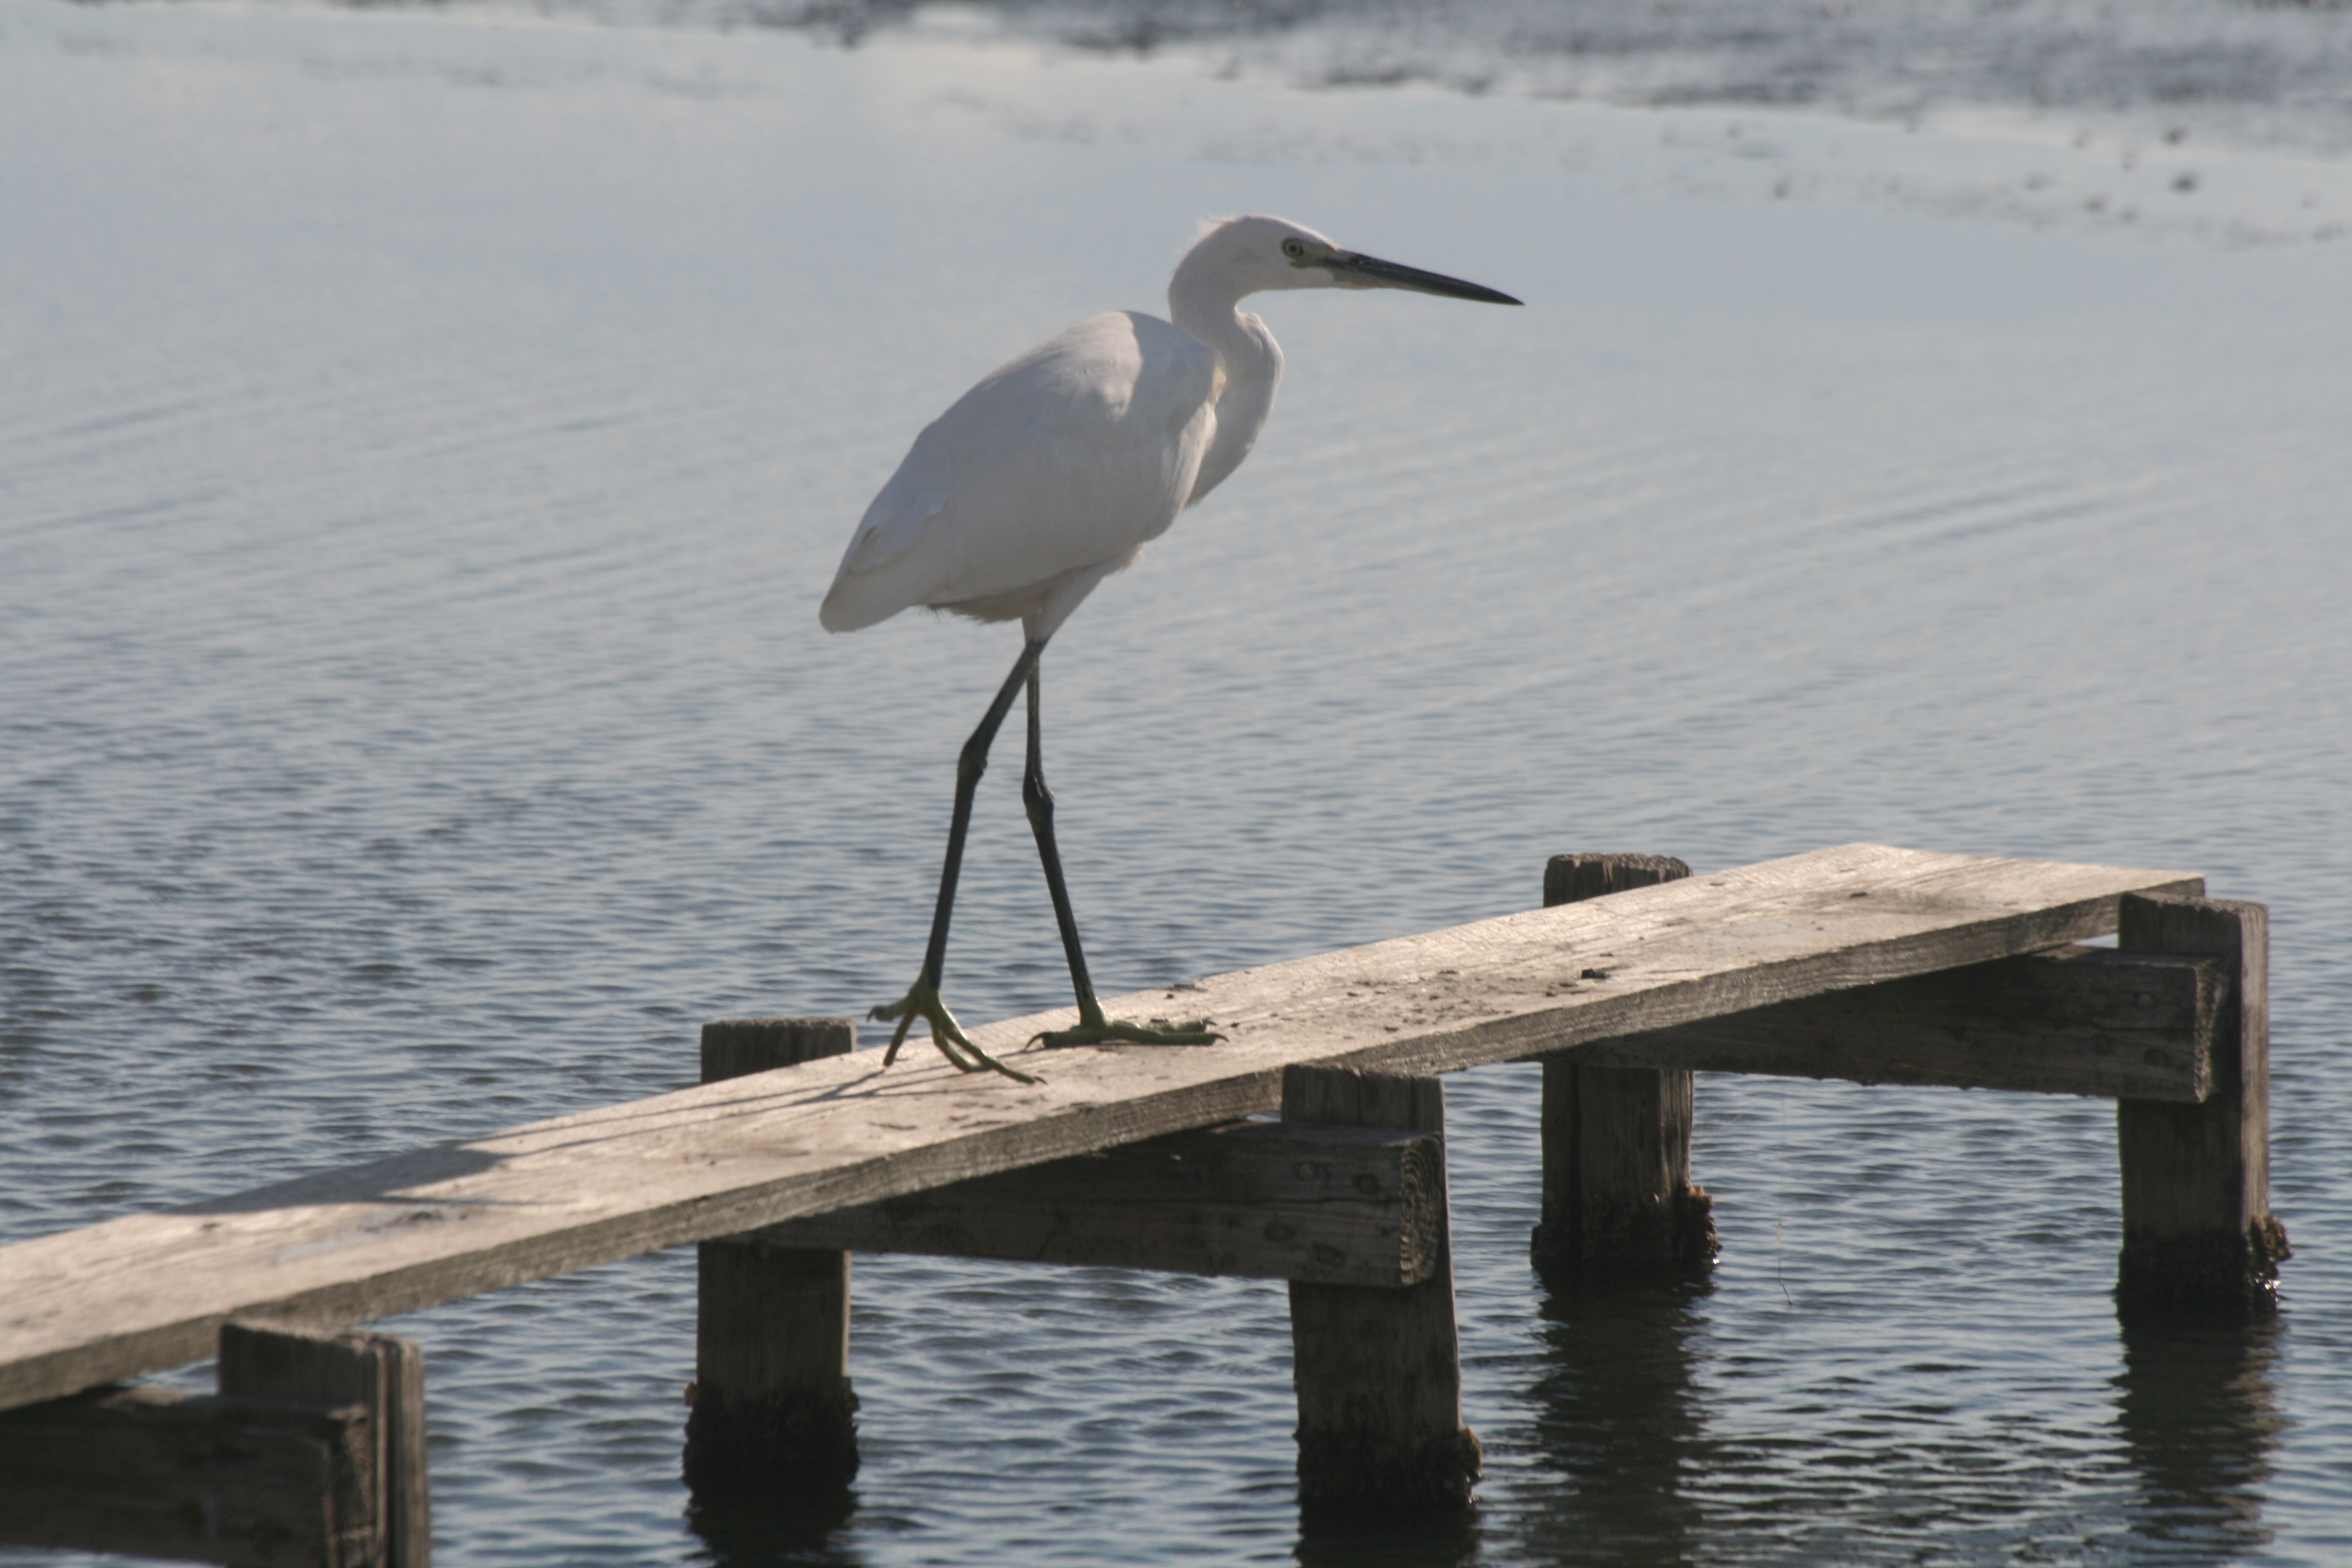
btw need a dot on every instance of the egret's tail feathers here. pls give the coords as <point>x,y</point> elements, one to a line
<point>845,610</point>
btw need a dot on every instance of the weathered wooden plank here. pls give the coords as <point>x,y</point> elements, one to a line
<point>1263,1200</point>
<point>152,1473</point>
<point>2078,1020</point>
<point>771,1413</point>
<point>2200,1240</point>
<point>1379,1371</point>
<point>364,1242</point>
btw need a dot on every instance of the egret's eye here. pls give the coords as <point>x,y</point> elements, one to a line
<point>1294,249</point>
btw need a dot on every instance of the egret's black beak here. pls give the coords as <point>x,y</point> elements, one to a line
<point>1353,271</point>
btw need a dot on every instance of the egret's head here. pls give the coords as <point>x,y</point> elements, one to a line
<point>1252,255</point>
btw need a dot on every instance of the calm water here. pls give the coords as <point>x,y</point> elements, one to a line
<point>424,438</point>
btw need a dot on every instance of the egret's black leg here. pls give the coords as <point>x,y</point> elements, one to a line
<point>923,999</point>
<point>1093,1028</point>
<point>1038,801</point>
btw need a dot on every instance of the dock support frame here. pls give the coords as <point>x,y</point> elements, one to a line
<point>313,1450</point>
<point>310,1456</point>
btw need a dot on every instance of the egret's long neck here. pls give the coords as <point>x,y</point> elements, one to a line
<point>1204,305</point>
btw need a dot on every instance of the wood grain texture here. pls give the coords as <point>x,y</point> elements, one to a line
<point>1261,1200</point>
<point>1573,877</point>
<point>2078,1020</point>
<point>1639,1216</point>
<point>732,1048</point>
<point>1378,1371</point>
<point>366,1241</point>
<point>407,1504</point>
<point>2200,1241</point>
<point>291,1364</point>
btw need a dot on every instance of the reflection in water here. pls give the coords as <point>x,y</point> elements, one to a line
<point>747,1535</point>
<point>2197,1410</point>
<point>1447,1544</point>
<point>1638,1478</point>
<point>1617,1418</point>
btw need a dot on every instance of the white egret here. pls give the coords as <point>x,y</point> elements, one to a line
<point>1052,474</point>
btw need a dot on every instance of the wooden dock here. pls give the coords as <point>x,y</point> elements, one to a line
<point>1867,962</point>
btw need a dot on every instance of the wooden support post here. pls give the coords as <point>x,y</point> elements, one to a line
<point>313,1456</point>
<point>2200,1241</point>
<point>2199,1412</point>
<point>1617,1195</point>
<point>380,1373</point>
<point>773,1410</point>
<point>1573,878</point>
<point>1379,1370</point>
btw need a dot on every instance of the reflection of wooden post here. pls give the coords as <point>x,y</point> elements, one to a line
<point>1618,1419</point>
<point>1379,1370</point>
<point>2199,1240</point>
<point>2199,1419</point>
<point>1617,1192</point>
<point>773,1416</point>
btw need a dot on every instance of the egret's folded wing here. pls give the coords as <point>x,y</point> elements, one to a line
<point>1069,456</point>
<point>894,521</point>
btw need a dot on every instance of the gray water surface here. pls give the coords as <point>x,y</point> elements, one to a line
<point>424,440</point>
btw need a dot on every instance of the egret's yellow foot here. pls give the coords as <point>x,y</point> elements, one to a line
<point>1097,1030</point>
<point>922,1000</point>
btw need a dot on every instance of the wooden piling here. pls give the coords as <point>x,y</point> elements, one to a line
<point>379,1372</point>
<point>1618,1200</point>
<point>2200,1241</point>
<point>1379,1370</point>
<point>772,1417</point>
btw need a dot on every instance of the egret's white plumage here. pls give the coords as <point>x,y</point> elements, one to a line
<point>1056,470</point>
<point>1053,473</point>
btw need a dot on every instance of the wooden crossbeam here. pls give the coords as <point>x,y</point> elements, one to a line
<point>1264,1200</point>
<point>2078,1020</point>
<point>152,1290</point>
<point>155,1473</point>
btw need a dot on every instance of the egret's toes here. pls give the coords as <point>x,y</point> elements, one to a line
<point>1118,1031</point>
<point>922,1000</point>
